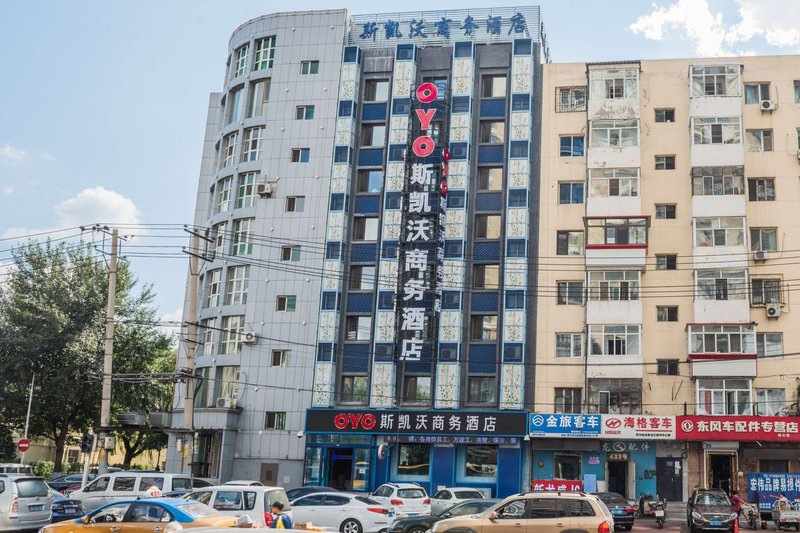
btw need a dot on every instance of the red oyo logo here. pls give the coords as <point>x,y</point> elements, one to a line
<point>354,421</point>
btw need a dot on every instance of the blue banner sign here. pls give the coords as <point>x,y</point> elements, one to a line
<point>566,425</point>
<point>765,488</point>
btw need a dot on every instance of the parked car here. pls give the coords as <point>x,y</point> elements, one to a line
<point>448,497</point>
<point>66,481</point>
<point>621,508</point>
<point>420,524</point>
<point>348,513</point>
<point>245,482</point>
<point>25,502</point>
<point>405,499</point>
<point>145,516</point>
<point>255,502</point>
<point>123,485</point>
<point>293,494</point>
<point>64,508</point>
<point>542,512</point>
<point>16,468</point>
<point>710,510</point>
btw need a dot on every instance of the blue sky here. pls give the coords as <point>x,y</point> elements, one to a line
<point>104,103</point>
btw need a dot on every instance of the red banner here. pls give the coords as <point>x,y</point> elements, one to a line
<point>769,428</point>
<point>552,485</point>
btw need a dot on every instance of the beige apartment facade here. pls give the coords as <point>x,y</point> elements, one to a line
<point>668,238</point>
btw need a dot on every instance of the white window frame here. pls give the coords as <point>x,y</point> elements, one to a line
<point>763,190</point>
<point>709,286</point>
<point>283,301</point>
<point>728,75</point>
<point>362,332</point>
<point>712,184</point>
<point>761,92</point>
<point>728,130</point>
<point>721,395</point>
<point>769,344</point>
<point>570,99</point>
<point>246,190</point>
<point>614,133</point>
<point>306,67</point>
<point>759,140</point>
<point>209,327</point>
<point>242,236</point>
<point>576,344</point>
<point>229,149</point>
<point>275,420</point>
<point>765,291</point>
<point>628,334</point>
<point>717,232</point>
<point>218,231</point>
<point>258,98</point>
<point>301,112</point>
<point>224,187</point>
<point>603,180</point>
<point>607,285</point>
<point>566,290</point>
<point>293,253</point>
<point>265,53</point>
<point>560,402</point>
<point>576,241</point>
<point>232,329</point>
<point>226,384</point>
<point>240,61</point>
<point>295,204</point>
<point>722,338</point>
<point>234,104</point>
<point>614,83</point>
<point>757,243</point>
<point>213,287</point>
<point>236,285</point>
<point>767,406</point>
<point>282,358</point>
<point>251,145</point>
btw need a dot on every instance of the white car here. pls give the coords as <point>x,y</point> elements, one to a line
<point>347,513</point>
<point>448,497</point>
<point>405,499</point>
<point>255,502</point>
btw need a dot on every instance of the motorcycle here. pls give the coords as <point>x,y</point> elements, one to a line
<point>660,511</point>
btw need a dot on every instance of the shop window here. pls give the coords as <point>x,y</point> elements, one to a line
<point>414,459</point>
<point>480,461</point>
<point>567,466</point>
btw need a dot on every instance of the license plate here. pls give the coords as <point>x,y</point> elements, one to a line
<point>70,510</point>
<point>659,512</point>
<point>33,508</point>
<point>390,514</point>
<point>716,523</point>
<point>616,511</point>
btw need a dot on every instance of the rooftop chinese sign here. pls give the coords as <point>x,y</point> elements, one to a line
<point>747,428</point>
<point>642,427</point>
<point>564,425</point>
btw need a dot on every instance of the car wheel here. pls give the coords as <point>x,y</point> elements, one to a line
<point>628,527</point>
<point>417,530</point>
<point>351,526</point>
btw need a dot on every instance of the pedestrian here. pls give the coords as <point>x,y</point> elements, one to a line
<point>737,503</point>
<point>280,520</point>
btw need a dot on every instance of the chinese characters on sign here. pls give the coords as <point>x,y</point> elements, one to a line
<point>550,485</point>
<point>750,428</point>
<point>770,486</point>
<point>558,425</point>
<point>469,26</point>
<point>638,427</point>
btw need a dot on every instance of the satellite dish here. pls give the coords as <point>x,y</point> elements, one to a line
<point>382,450</point>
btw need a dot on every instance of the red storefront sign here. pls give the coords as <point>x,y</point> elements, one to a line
<point>748,428</point>
<point>551,485</point>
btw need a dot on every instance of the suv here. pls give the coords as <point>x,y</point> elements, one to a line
<point>25,502</point>
<point>710,510</point>
<point>543,512</point>
<point>405,499</point>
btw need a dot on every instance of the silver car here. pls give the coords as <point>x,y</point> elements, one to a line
<point>25,502</point>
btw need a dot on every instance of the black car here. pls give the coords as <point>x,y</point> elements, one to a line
<point>710,510</point>
<point>620,508</point>
<point>62,482</point>
<point>299,492</point>
<point>420,524</point>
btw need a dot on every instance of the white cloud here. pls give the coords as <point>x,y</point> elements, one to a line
<point>87,207</point>
<point>11,156</point>
<point>7,190</point>
<point>172,316</point>
<point>46,156</point>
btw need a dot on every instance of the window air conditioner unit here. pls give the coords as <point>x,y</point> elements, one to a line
<point>264,190</point>
<point>768,105</point>
<point>760,255</point>
<point>249,337</point>
<point>223,403</point>
<point>773,310</point>
<point>131,419</point>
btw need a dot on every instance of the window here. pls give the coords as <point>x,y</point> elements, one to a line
<point>369,181</point>
<point>614,133</point>
<point>571,145</point>
<point>239,61</point>
<point>570,192</point>
<point>666,211</point>
<point>494,87</point>
<point>295,204</point>
<point>358,328</point>
<point>251,148</point>
<point>201,396</point>
<point>755,92</point>
<point>568,400</point>
<point>761,189</point>
<point>290,253</point>
<point>490,178</point>
<point>616,285</point>
<point>615,340</point>
<point>665,115</point>
<point>715,183</point>
<point>226,384</point>
<point>569,243</point>
<point>286,303</point>
<point>717,130</point>
<point>229,149</point>
<point>243,236</point>
<point>488,226</point>
<point>567,465</point>
<point>246,194</point>
<point>722,80</point>
<point>354,389</point>
<point>309,67</point>
<point>570,99</point>
<point>373,135</point>
<point>376,90</point>
<point>667,367</point>
<point>365,229</point>
<point>362,278</point>
<point>413,460</point>
<point>236,291</point>
<point>607,182</point>
<point>665,162</point>
<point>759,140</point>
<point>765,291</point>
<point>223,202</point>
<point>719,231</point>
<point>232,328</point>
<point>213,287</point>
<point>280,358</point>
<point>725,284</point>
<point>569,293</point>
<point>616,231</point>
<point>485,276</point>
<point>723,396</point>
<point>417,389</point>
<point>667,313</point>
<point>234,104</point>
<point>218,235</point>
<point>265,53</point>
<point>614,83</point>
<point>769,344</point>
<point>666,262</point>
<point>770,401</point>
<point>480,461</point>
<point>615,396</point>
<point>259,96</point>
<point>493,131</point>
<point>569,344</point>
<point>482,389</point>
<point>301,155</point>
<point>275,420</point>
<point>124,484</point>
<point>797,92</point>
<point>764,239</point>
<point>716,338</point>
<point>304,112</point>
<point>484,328</point>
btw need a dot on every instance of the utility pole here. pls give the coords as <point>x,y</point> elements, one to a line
<point>28,416</point>
<point>105,401</point>
<point>191,347</point>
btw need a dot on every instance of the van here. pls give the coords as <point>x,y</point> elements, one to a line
<point>25,502</point>
<point>236,500</point>
<point>126,485</point>
<point>16,468</point>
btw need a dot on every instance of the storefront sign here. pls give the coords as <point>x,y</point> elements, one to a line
<point>460,26</point>
<point>477,423</point>
<point>733,428</point>
<point>550,485</point>
<point>638,427</point>
<point>558,425</point>
<point>618,456</point>
<point>451,439</point>
<point>766,488</point>
<point>622,446</point>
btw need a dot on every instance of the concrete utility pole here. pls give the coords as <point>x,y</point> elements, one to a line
<point>105,402</point>
<point>28,416</point>
<point>191,347</point>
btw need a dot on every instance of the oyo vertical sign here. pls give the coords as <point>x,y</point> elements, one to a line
<point>422,247</point>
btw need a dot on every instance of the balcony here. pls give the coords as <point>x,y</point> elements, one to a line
<point>722,350</point>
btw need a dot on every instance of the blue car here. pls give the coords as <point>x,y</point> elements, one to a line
<point>65,508</point>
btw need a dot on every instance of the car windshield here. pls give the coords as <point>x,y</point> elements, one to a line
<point>31,488</point>
<point>410,493</point>
<point>712,498</point>
<point>467,494</point>
<point>613,499</point>
<point>198,510</point>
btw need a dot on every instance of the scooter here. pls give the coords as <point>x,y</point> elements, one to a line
<point>660,510</point>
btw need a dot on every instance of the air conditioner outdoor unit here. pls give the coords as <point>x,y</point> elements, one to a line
<point>768,105</point>
<point>249,337</point>
<point>160,420</point>
<point>773,310</point>
<point>131,419</point>
<point>223,403</point>
<point>760,255</point>
<point>264,190</point>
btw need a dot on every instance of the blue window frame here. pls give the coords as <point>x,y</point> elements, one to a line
<point>333,250</point>
<point>520,102</point>
<point>517,198</point>
<point>515,248</point>
<point>571,145</point>
<point>515,300</point>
